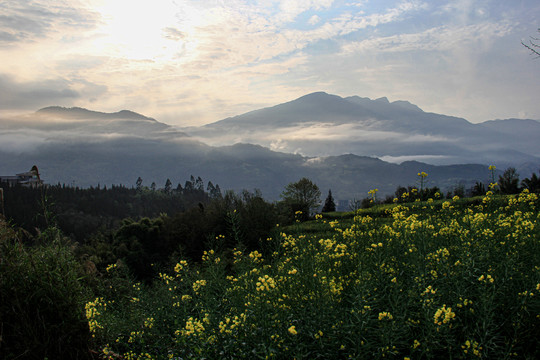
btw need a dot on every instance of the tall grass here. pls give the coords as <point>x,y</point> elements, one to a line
<point>421,281</point>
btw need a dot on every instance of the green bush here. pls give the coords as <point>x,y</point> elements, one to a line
<point>41,299</point>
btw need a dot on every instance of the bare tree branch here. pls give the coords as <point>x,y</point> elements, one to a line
<point>533,45</point>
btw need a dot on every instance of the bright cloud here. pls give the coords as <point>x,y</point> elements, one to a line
<point>191,62</point>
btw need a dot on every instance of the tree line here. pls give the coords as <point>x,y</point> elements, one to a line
<point>80,212</point>
<point>145,226</point>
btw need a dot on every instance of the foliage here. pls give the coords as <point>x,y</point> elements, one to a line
<point>446,279</point>
<point>140,245</point>
<point>41,299</point>
<point>412,193</point>
<point>148,244</point>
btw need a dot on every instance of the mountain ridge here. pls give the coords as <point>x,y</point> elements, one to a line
<point>322,124</point>
<point>83,112</point>
<point>126,146</point>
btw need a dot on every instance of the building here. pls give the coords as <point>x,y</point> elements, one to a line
<point>30,178</point>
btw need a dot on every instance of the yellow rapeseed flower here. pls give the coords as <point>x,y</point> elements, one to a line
<point>292,330</point>
<point>385,315</point>
<point>110,267</point>
<point>443,315</point>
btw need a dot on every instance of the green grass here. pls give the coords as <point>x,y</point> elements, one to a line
<point>428,280</point>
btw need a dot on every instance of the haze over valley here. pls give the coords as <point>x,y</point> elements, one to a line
<point>349,145</point>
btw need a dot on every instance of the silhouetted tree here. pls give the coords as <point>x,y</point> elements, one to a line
<point>213,191</point>
<point>478,189</point>
<point>400,190</point>
<point>153,186</point>
<point>355,204</point>
<point>217,192</point>
<point>509,181</point>
<point>302,195</point>
<point>199,184</point>
<point>138,183</point>
<point>329,204</point>
<point>188,186</point>
<point>168,186</point>
<point>459,190</point>
<point>532,184</point>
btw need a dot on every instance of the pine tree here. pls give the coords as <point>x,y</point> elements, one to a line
<point>329,204</point>
<point>168,186</point>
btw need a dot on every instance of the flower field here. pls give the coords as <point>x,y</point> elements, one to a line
<point>433,279</point>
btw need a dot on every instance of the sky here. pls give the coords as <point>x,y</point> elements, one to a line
<point>192,62</point>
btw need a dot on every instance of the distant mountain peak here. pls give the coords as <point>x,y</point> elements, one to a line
<point>317,93</point>
<point>317,96</point>
<point>407,105</point>
<point>78,112</point>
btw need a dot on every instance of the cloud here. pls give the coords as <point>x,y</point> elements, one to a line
<point>284,138</point>
<point>240,38</point>
<point>193,61</point>
<point>464,11</point>
<point>442,38</point>
<point>36,94</point>
<point>341,133</point>
<point>23,21</point>
<point>430,159</point>
<point>173,34</point>
<point>314,20</point>
<point>16,142</point>
<point>314,161</point>
<point>290,9</point>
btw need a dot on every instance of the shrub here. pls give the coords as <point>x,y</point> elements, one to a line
<point>41,299</point>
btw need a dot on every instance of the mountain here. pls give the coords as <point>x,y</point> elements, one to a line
<point>57,122</point>
<point>321,124</point>
<point>85,114</point>
<point>81,147</point>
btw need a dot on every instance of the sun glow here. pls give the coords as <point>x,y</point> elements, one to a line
<point>147,31</point>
